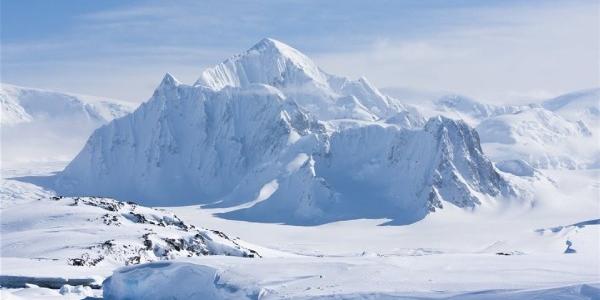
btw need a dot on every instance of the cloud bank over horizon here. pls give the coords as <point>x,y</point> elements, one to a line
<point>496,51</point>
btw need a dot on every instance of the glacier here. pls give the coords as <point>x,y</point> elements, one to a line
<point>273,138</point>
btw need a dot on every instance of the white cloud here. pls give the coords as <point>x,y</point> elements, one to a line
<point>494,52</point>
<point>536,52</point>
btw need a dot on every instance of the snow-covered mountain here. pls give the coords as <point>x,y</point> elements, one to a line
<point>40,125</point>
<point>470,110</point>
<point>577,106</point>
<point>21,105</point>
<point>555,134</point>
<point>324,96</point>
<point>274,138</point>
<point>540,137</point>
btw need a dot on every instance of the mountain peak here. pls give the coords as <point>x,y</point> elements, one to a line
<point>168,81</point>
<point>267,62</point>
<point>267,43</point>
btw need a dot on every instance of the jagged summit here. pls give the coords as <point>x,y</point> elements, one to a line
<point>270,46</point>
<point>268,62</point>
<point>326,96</point>
<point>267,43</point>
<point>168,81</point>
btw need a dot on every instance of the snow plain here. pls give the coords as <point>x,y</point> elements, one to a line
<point>515,252</point>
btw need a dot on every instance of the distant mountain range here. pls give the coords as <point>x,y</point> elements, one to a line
<point>46,125</point>
<point>559,133</point>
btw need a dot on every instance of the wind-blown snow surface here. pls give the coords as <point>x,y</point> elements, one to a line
<point>204,279</point>
<point>324,147</point>
<point>48,126</point>
<point>503,252</point>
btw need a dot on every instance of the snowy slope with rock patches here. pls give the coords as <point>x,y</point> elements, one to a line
<point>271,136</point>
<point>102,232</point>
<point>46,125</point>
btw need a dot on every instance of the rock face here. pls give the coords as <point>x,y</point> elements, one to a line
<point>275,138</point>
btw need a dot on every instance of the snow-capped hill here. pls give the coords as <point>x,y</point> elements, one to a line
<point>27,105</point>
<point>539,137</point>
<point>274,63</point>
<point>536,124</point>
<point>586,101</point>
<point>582,106</point>
<point>261,151</point>
<point>12,112</point>
<point>46,125</point>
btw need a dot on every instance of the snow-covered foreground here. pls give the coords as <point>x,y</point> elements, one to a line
<point>430,276</point>
<point>512,252</point>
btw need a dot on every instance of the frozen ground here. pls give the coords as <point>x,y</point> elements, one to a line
<point>498,252</point>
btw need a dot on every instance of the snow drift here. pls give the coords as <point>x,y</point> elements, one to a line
<point>277,139</point>
<point>194,279</point>
<point>171,280</point>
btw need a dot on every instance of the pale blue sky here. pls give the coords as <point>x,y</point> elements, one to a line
<point>494,50</point>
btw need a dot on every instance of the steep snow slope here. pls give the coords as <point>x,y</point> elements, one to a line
<point>401,175</point>
<point>325,96</point>
<point>46,125</point>
<point>186,143</point>
<point>270,135</point>
<point>540,137</point>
